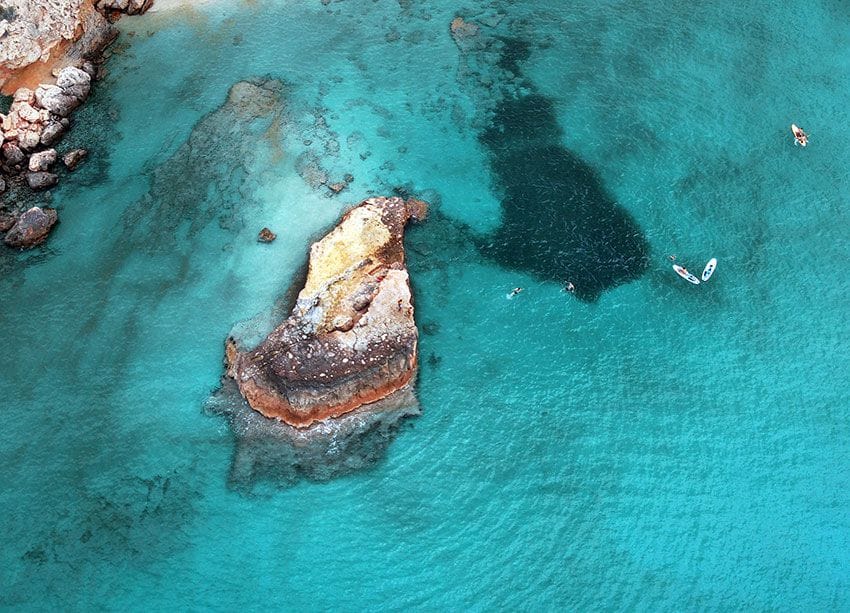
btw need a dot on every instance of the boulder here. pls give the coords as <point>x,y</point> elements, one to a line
<point>23,94</point>
<point>41,180</point>
<point>73,158</point>
<point>350,340</point>
<point>54,99</point>
<point>42,160</point>
<point>72,88</point>
<point>51,133</point>
<point>74,82</point>
<point>13,154</point>
<point>29,139</point>
<point>27,112</point>
<point>31,228</point>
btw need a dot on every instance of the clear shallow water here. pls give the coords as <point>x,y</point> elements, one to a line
<point>661,447</point>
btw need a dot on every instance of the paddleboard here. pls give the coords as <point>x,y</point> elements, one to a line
<point>683,272</point>
<point>799,136</point>
<point>709,269</point>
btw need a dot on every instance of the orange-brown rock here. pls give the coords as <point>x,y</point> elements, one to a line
<point>266,236</point>
<point>351,339</point>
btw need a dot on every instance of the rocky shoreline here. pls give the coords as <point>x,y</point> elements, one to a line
<point>50,54</point>
<point>351,339</point>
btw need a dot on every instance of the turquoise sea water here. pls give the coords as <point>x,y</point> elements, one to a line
<point>642,445</point>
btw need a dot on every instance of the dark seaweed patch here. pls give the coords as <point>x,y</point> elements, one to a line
<point>514,51</point>
<point>558,221</point>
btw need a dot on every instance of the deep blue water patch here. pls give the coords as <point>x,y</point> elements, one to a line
<point>558,221</point>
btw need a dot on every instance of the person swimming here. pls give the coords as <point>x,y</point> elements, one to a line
<point>569,287</point>
<point>514,292</point>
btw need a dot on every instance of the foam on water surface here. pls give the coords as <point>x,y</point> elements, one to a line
<point>660,446</point>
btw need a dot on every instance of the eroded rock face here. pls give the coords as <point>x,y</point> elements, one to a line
<point>351,339</point>
<point>57,23</point>
<point>31,228</point>
<point>46,34</point>
<point>128,7</point>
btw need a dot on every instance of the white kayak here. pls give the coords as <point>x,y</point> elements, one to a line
<point>799,136</point>
<point>709,269</point>
<point>683,272</point>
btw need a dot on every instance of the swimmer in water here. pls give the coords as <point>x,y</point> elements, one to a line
<point>569,287</point>
<point>514,292</point>
<point>672,258</point>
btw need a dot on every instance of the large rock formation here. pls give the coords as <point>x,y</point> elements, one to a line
<point>40,36</point>
<point>351,339</point>
<point>48,55</point>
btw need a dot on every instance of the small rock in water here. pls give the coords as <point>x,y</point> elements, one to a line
<point>73,158</point>
<point>266,236</point>
<point>31,228</point>
<point>41,180</point>
<point>337,187</point>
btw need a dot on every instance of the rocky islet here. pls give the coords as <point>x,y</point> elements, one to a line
<point>351,339</point>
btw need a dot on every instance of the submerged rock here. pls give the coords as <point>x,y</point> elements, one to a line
<point>73,158</point>
<point>351,339</point>
<point>31,228</point>
<point>270,452</point>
